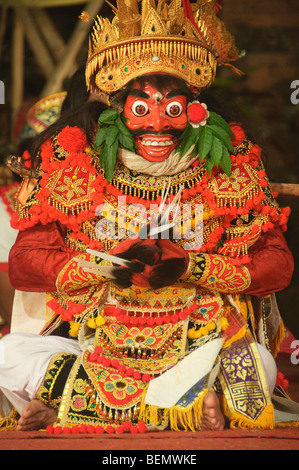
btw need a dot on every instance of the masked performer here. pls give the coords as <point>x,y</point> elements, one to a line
<point>158,241</point>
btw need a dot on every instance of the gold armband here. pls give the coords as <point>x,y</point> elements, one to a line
<point>217,272</point>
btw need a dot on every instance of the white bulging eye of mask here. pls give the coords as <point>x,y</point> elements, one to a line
<point>140,108</point>
<point>174,109</point>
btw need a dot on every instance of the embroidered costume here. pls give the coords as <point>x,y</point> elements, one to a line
<point>153,346</point>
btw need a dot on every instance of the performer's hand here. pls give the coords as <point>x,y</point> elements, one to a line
<point>156,263</point>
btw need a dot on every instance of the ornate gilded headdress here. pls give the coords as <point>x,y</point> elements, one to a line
<point>163,36</point>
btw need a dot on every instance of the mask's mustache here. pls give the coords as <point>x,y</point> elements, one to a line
<point>172,132</point>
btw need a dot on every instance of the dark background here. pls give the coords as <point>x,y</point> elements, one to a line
<point>269,32</point>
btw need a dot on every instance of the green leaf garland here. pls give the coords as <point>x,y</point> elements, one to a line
<point>212,143</point>
<point>112,133</point>
<point>204,142</point>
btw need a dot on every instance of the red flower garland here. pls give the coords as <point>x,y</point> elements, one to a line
<point>128,426</point>
<point>72,139</point>
<point>100,358</point>
<point>239,134</point>
<point>123,316</point>
<point>70,312</point>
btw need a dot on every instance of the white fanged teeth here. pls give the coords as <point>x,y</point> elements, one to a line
<point>154,143</point>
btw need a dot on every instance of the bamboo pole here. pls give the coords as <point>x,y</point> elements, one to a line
<point>3,21</point>
<point>49,32</point>
<point>36,43</point>
<point>55,81</point>
<point>286,189</point>
<point>17,91</point>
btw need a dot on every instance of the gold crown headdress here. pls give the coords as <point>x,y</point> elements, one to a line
<point>167,36</point>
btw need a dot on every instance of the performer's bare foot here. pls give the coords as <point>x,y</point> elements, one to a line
<point>212,417</point>
<point>36,415</point>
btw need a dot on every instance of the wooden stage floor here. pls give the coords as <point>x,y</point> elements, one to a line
<point>171,441</point>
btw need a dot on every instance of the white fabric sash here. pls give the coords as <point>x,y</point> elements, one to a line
<point>166,390</point>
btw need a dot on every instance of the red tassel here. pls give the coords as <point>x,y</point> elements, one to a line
<point>189,14</point>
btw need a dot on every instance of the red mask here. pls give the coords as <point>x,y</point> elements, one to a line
<point>156,119</point>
